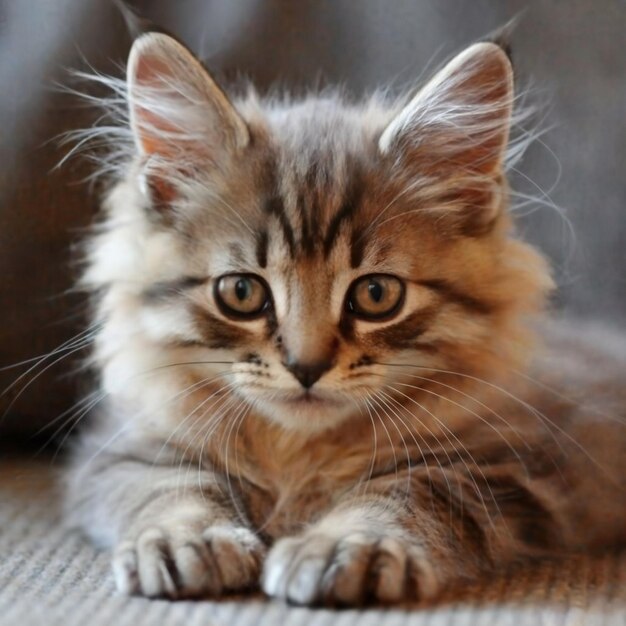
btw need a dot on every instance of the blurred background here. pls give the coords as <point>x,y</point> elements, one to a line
<point>571,54</point>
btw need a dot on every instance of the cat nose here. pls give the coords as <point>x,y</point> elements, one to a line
<point>308,373</point>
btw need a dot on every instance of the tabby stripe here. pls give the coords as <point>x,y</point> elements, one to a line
<point>186,343</point>
<point>307,241</point>
<point>469,528</point>
<point>526,515</point>
<point>344,214</point>
<point>165,290</point>
<point>261,248</point>
<point>215,332</point>
<point>275,206</point>
<point>461,298</point>
<point>404,333</point>
<point>357,247</point>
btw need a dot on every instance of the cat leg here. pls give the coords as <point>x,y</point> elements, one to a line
<point>372,549</point>
<point>174,532</point>
<point>413,536</point>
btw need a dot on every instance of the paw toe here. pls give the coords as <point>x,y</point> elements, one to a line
<point>156,567</point>
<point>388,572</point>
<point>125,569</point>
<point>347,571</point>
<point>344,580</point>
<point>238,554</point>
<point>187,562</point>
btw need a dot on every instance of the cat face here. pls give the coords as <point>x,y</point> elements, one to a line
<point>314,248</point>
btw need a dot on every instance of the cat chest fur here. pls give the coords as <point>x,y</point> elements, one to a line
<point>285,479</point>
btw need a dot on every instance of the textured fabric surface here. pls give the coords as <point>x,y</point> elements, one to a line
<point>51,576</point>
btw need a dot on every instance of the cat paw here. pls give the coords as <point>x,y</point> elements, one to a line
<point>350,570</point>
<point>184,563</point>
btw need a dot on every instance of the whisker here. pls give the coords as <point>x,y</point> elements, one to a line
<point>216,422</point>
<point>185,393</point>
<point>40,373</point>
<point>475,414</point>
<point>446,432</point>
<point>494,386</point>
<point>382,423</point>
<point>128,425</point>
<point>376,399</point>
<point>387,399</point>
<point>226,400</point>
<point>374,452</point>
<point>546,421</point>
<point>434,455</point>
<point>84,336</point>
<point>562,396</point>
<point>76,420</point>
<point>90,404</point>
<point>69,413</point>
<point>242,411</point>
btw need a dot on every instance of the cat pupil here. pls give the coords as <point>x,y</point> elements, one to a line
<point>376,291</point>
<point>242,289</point>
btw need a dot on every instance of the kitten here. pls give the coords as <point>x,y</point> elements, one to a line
<point>314,327</point>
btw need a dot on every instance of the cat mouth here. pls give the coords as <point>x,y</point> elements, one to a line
<point>310,398</point>
<point>307,410</point>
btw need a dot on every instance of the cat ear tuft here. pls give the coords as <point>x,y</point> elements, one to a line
<point>177,111</point>
<point>461,118</point>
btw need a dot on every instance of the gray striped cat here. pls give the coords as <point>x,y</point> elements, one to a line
<point>316,347</point>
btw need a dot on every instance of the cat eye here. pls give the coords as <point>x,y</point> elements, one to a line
<point>375,296</point>
<point>241,295</point>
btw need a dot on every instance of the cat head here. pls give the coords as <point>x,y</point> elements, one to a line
<point>315,251</point>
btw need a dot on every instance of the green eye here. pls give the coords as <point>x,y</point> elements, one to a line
<point>375,296</point>
<point>241,295</point>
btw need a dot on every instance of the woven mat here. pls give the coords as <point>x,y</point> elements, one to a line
<point>50,576</point>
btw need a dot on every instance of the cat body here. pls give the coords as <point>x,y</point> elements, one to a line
<point>315,340</point>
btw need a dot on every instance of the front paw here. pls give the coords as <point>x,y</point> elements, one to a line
<point>186,562</point>
<point>318,568</point>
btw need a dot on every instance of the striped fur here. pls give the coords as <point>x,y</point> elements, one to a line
<point>422,456</point>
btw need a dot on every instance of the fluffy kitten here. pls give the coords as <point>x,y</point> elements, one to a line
<point>313,324</point>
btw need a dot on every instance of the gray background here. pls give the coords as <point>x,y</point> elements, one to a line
<point>571,53</point>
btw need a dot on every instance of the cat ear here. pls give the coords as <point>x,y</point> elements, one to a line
<point>451,138</point>
<point>179,116</point>
<point>462,115</point>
